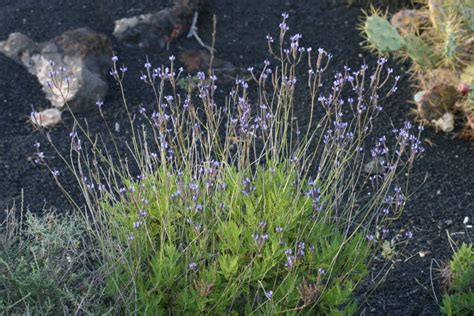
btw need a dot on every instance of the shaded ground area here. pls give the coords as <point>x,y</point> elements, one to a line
<point>444,175</point>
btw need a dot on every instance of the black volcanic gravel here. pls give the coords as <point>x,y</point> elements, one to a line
<point>443,176</point>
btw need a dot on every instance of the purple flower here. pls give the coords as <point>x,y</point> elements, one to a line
<point>55,172</point>
<point>99,103</point>
<point>114,59</point>
<point>175,194</point>
<point>284,26</point>
<point>193,266</point>
<point>269,294</point>
<point>290,261</point>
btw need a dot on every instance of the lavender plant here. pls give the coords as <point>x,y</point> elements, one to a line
<point>234,206</point>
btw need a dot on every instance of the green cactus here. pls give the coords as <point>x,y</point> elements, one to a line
<point>419,51</point>
<point>440,43</point>
<point>381,35</point>
<point>437,14</point>
<point>450,44</point>
<point>452,41</point>
<point>465,9</point>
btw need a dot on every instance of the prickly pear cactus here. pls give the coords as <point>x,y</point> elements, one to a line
<point>419,51</point>
<point>381,35</point>
<point>438,38</point>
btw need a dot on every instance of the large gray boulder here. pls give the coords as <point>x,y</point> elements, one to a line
<point>78,60</point>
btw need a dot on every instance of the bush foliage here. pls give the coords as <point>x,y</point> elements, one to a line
<point>231,205</point>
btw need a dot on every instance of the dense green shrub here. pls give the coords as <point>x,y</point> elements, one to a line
<point>231,205</point>
<point>459,277</point>
<point>223,243</point>
<point>46,264</point>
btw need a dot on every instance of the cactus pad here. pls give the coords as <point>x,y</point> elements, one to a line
<point>451,41</point>
<point>419,51</point>
<point>381,35</point>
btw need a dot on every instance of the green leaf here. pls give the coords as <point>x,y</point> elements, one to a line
<point>230,235</point>
<point>229,265</point>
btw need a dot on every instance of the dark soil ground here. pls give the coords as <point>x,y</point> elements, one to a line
<point>443,176</point>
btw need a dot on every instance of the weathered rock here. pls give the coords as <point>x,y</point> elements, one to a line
<point>407,20</point>
<point>200,60</point>
<point>445,122</point>
<point>157,28</point>
<point>77,60</point>
<point>47,118</point>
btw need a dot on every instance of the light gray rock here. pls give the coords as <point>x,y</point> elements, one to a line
<point>78,59</point>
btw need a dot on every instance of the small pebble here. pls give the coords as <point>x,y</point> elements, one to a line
<point>424,253</point>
